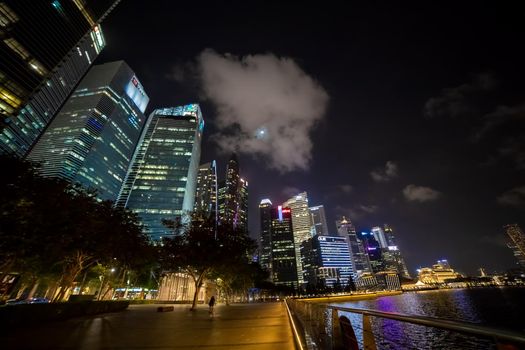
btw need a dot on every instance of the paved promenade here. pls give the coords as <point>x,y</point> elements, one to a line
<point>238,326</point>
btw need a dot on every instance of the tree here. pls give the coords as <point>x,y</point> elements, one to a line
<point>202,248</point>
<point>50,227</point>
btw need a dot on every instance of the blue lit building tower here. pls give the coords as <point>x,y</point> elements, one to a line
<point>327,261</point>
<point>92,139</point>
<point>46,47</point>
<point>162,179</point>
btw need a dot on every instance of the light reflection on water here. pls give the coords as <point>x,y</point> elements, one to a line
<point>496,307</point>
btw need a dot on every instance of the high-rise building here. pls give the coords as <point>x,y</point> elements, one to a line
<point>46,47</point>
<point>92,139</point>
<point>379,236</point>
<point>206,192</point>
<point>265,243</point>
<point>302,224</point>
<point>162,179</point>
<point>358,256</point>
<point>373,250</point>
<point>318,218</point>
<point>242,209</point>
<point>516,242</point>
<point>283,260</point>
<point>392,256</point>
<point>233,197</point>
<point>327,259</point>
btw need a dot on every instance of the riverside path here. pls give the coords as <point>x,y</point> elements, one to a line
<point>239,326</point>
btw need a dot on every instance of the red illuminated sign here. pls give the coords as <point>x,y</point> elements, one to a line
<point>285,211</point>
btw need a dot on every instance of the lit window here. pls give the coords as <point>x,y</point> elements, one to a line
<point>37,66</point>
<point>17,48</point>
<point>7,16</point>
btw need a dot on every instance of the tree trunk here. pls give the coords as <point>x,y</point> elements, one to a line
<point>198,284</point>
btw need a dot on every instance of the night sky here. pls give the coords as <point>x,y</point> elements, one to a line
<point>411,116</point>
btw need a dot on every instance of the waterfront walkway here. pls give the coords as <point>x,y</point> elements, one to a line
<point>240,326</point>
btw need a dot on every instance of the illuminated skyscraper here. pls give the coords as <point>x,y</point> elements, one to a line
<point>233,197</point>
<point>517,242</point>
<point>302,223</point>
<point>283,259</point>
<point>379,236</point>
<point>328,259</point>
<point>392,254</point>
<point>265,243</point>
<point>373,249</point>
<point>206,192</point>
<point>93,137</point>
<point>46,47</point>
<point>318,217</point>
<point>162,179</point>
<point>358,256</point>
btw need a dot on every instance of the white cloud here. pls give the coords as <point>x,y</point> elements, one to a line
<point>420,193</point>
<point>384,175</point>
<point>267,106</point>
<point>513,197</point>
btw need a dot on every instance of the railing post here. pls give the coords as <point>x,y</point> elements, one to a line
<point>337,337</point>
<point>369,341</point>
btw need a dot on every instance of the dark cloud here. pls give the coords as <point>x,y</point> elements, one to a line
<point>455,102</point>
<point>384,175</point>
<point>514,197</point>
<point>501,116</point>
<point>346,188</point>
<point>356,212</point>
<point>266,106</point>
<point>421,194</point>
<point>290,191</point>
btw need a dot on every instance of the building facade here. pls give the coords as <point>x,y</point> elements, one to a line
<point>265,243</point>
<point>233,197</point>
<point>42,61</point>
<point>358,255</point>
<point>302,224</point>
<point>162,178</point>
<point>206,192</point>
<point>92,139</point>
<point>283,259</point>
<point>327,262</point>
<point>516,243</point>
<point>318,219</point>
<point>392,256</point>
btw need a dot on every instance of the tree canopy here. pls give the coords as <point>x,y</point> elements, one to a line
<point>203,249</point>
<point>49,226</point>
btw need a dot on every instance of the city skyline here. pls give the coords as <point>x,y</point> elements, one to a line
<point>398,126</point>
<point>382,132</point>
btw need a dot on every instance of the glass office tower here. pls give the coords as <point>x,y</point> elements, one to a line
<point>92,139</point>
<point>162,179</point>
<point>46,47</point>
<point>206,192</point>
<point>318,217</point>
<point>302,226</point>
<point>283,260</point>
<point>265,242</point>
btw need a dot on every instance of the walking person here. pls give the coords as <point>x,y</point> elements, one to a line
<point>211,304</point>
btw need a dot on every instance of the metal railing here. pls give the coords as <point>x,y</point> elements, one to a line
<point>327,327</point>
